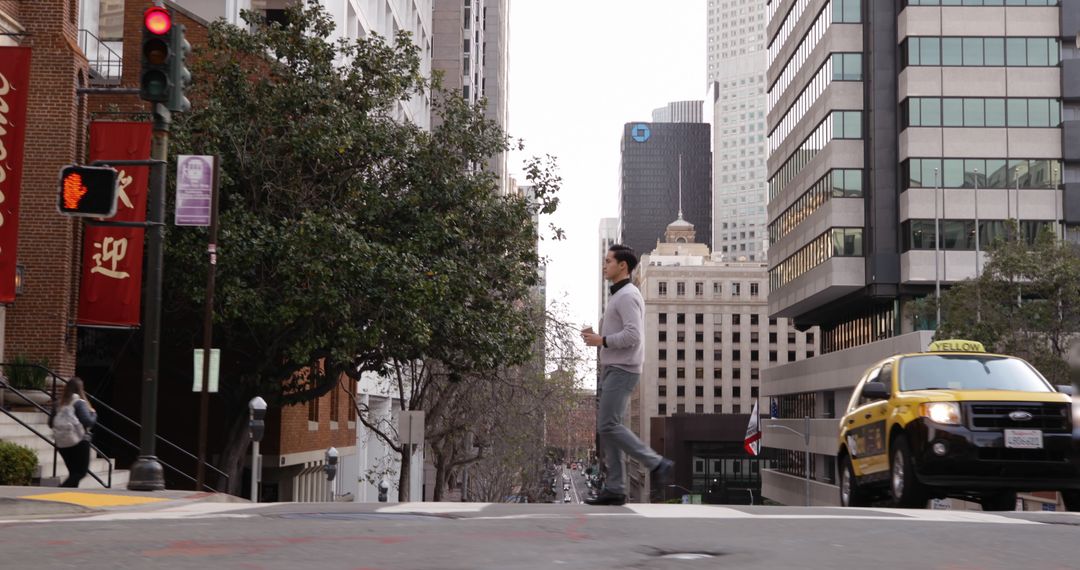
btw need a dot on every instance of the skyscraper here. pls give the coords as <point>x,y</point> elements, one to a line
<point>736,69</point>
<point>471,49</point>
<point>887,120</point>
<point>649,196</point>
<point>679,112</point>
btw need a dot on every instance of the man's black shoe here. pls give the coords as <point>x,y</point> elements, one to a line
<point>664,473</point>
<point>607,498</point>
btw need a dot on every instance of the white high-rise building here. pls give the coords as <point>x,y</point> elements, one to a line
<point>352,19</point>
<point>609,236</point>
<point>736,63</point>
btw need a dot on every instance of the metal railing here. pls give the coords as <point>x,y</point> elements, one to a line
<point>6,386</point>
<point>98,404</point>
<point>106,66</point>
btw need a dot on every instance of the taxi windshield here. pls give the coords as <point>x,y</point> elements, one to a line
<point>969,372</point>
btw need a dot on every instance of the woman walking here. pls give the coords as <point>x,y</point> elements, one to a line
<point>71,430</point>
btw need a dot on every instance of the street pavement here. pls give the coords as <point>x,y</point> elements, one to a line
<point>197,533</point>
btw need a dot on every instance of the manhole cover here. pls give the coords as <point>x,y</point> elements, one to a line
<point>687,555</point>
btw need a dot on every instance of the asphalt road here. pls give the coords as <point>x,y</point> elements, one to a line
<point>469,535</point>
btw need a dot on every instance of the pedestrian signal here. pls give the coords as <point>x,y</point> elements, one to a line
<point>88,191</point>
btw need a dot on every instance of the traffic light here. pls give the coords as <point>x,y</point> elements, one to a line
<point>88,191</point>
<point>179,76</point>
<point>154,77</point>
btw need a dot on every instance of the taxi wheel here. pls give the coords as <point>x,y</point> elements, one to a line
<point>904,486</point>
<point>1071,500</point>
<point>850,493</point>
<point>1003,501</point>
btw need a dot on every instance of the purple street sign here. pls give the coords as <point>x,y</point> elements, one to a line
<point>194,188</point>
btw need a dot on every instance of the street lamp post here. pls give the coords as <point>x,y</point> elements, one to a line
<point>256,425</point>
<point>806,438</point>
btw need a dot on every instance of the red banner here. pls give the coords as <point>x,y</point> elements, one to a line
<point>111,286</point>
<point>14,88</point>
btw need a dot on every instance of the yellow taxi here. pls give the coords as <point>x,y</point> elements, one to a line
<point>956,421</point>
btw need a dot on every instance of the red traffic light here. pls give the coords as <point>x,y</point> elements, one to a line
<point>157,20</point>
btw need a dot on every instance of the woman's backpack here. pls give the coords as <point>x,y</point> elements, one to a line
<point>68,431</point>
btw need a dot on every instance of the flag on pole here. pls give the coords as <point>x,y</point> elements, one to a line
<point>752,443</point>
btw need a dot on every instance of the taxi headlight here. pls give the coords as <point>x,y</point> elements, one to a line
<point>941,412</point>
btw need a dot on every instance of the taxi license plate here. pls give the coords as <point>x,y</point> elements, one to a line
<point>1023,438</point>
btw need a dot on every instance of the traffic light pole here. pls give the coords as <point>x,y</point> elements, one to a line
<point>147,473</point>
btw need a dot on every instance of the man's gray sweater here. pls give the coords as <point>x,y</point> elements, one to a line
<point>623,330</point>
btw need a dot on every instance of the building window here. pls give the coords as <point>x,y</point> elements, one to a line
<point>699,319</point>
<point>662,354</point>
<point>736,355</point>
<point>847,11</point>
<point>662,288</point>
<point>736,374</point>
<point>699,354</point>
<point>661,410</point>
<point>661,336</point>
<point>754,292</point>
<point>772,356</point>
<point>699,391</point>
<point>810,338</point>
<point>680,372</point>
<point>699,289</point>
<point>681,409</point>
<point>754,319</point>
<point>661,372</point>
<point>699,337</point>
<point>736,392</point>
<point>736,319</point>
<point>680,354</point>
<point>699,408</point>
<point>735,289</point>
<point>753,356</point>
<point>717,408</point>
<point>680,288</point>
<point>716,288</point>
<point>772,338</point>
<point>979,52</point>
<point>663,318</point>
<point>980,112</point>
<point>351,403</point>
<point>736,337</point>
<point>753,391</point>
<point>680,336</point>
<point>791,356</point>
<point>754,337</point>
<point>736,409</point>
<point>680,318</point>
<point>718,392</point>
<point>661,391</point>
<point>335,402</point>
<point>680,391</point>
<point>699,373</point>
<point>717,373</point>
<point>717,336</point>
<point>313,410</point>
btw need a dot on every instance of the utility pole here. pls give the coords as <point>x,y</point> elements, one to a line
<point>147,473</point>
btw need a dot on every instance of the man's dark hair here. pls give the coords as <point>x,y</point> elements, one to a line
<point>625,253</point>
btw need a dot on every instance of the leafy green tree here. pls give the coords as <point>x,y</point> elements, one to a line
<point>1025,302</point>
<point>349,241</point>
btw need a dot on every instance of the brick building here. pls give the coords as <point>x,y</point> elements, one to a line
<point>39,324</point>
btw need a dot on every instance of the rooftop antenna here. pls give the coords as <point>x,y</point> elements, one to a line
<point>680,187</point>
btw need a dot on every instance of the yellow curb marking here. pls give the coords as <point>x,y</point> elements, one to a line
<point>94,499</point>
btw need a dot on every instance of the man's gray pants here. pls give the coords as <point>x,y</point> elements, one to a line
<point>616,440</point>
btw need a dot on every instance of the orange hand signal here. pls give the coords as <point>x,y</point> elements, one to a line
<point>73,191</point>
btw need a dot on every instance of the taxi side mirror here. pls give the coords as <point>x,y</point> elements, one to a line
<point>1066,389</point>
<point>875,391</point>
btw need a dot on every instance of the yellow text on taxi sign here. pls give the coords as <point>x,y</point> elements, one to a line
<point>956,345</point>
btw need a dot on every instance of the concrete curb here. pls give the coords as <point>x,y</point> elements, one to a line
<point>10,507</point>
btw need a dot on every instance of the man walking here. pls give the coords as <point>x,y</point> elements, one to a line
<point>622,351</point>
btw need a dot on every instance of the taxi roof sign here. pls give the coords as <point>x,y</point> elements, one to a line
<point>956,345</point>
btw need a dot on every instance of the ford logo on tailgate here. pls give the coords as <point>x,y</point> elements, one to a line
<point>1020,416</point>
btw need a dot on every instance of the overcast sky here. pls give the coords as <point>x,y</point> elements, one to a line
<point>579,70</point>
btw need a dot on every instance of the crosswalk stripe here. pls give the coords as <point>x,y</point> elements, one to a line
<point>435,508</point>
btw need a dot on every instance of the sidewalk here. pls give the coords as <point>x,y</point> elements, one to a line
<point>36,501</point>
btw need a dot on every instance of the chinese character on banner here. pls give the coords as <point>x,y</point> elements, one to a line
<point>111,252</point>
<point>14,88</point>
<point>111,287</point>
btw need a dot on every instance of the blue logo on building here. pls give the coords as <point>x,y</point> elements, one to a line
<point>640,133</point>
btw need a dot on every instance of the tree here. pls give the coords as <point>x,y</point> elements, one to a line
<point>1025,302</point>
<point>349,241</point>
